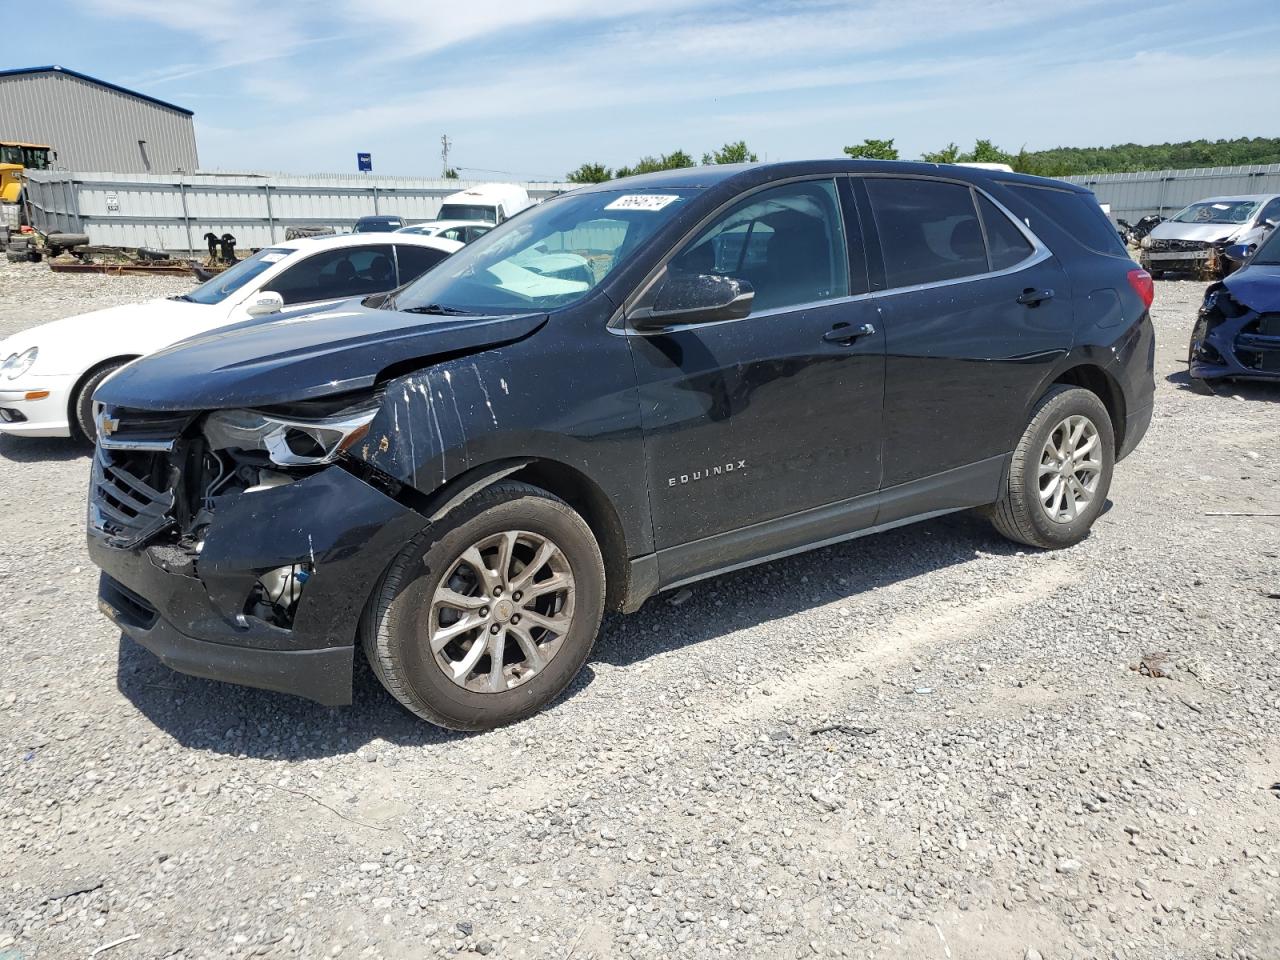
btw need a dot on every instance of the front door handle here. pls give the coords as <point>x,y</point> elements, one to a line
<point>1032,297</point>
<point>845,334</point>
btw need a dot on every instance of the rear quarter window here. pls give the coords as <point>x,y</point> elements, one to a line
<point>1076,213</point>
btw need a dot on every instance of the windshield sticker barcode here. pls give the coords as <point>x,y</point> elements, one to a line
<point>642,201</point>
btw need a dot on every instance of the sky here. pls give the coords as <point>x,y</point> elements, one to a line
<point>529,89</point>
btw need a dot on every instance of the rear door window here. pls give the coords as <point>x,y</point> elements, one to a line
<point>1006,244</point>
<point>415,261</point>
<point>929,230</point>
<point>338,274</point>
<point>1076,213</point>
<point>787,242</point>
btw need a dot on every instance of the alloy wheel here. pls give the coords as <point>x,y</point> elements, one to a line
<point>1070,468</point>
<point>501,612</point>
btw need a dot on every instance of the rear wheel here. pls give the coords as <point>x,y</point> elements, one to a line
<point>485,617</point>
<point>1060,472</point>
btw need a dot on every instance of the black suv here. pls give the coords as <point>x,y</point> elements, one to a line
<point>630,387</point>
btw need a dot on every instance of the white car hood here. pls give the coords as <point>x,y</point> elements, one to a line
<point>1202,232</point>
<point>131,328</point>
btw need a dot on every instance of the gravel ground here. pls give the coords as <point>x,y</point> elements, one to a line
<point>923,744</point>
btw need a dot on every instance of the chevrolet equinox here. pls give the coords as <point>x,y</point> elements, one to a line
<point>633,386</point>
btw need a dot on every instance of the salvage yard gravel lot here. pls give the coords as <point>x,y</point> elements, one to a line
<point>928,743</point>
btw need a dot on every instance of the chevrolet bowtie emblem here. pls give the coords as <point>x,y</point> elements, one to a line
<point>108,426</point>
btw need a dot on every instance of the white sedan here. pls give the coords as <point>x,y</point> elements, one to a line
<point>48,373</point>
<point>463,231</point>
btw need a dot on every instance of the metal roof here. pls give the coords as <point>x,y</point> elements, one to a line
<point>54,68</point>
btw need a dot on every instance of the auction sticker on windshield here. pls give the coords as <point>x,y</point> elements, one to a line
<point>642,201</point>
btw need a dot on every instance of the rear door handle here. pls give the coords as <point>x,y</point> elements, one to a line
<point>1031,297</point>
<point>843,333</point>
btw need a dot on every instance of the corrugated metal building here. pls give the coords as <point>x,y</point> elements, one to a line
<point>95,125</point>
<point>1133,196</point>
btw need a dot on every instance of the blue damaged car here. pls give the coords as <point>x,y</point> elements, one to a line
<point>1237,334</point>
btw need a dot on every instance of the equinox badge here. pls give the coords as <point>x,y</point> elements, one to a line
<point>705,472</point>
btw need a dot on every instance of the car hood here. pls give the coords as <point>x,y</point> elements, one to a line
<point>114,327</point>
<point>301,357</point>
<point>1256,287</point>
<point>1202,232</point>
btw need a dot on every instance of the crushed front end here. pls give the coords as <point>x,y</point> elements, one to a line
<point>1201,259</point>
<point>1233,340</point>
<point>243,545</point>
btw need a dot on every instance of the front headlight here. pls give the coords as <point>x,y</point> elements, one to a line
<point>289,441</point>
<point>1145,243</point>
<point>19,363</point>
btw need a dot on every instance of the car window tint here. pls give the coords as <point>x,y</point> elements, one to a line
<point>787,242</point>
<point>929,230</point>
<point>415,261</point>
<point>1076,213</point>
<point>1006,244</point>
<point>336,274</point>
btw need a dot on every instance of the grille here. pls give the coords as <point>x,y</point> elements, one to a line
<point>130,500</point>
<point>124,506</point>
<point>1167,246</point>
<point>125,428</point>
<point>1269,324</point>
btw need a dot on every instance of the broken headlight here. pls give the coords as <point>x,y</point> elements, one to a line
<point>291,441</point>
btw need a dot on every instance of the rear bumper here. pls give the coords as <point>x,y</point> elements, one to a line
<point>1136,424</point>
<point>320,675</point>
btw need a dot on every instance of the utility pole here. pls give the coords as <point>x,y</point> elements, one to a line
<point>445,144</point>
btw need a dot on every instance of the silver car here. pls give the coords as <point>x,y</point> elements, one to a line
<point>1193,240</point>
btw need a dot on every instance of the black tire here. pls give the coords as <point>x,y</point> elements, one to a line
<point>397,620</point>
<point>1019,514</point>
<point>83,426</point>
<point>66,241</point>
<point>17,256</point>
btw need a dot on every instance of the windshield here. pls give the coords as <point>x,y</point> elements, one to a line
<point>468,211</point>
<point>236,276</point>
<point>550,256</point>
<point>1218,211</point>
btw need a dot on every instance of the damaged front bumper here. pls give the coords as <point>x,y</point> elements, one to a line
<point>1230,340</point>
<point>198,604</point>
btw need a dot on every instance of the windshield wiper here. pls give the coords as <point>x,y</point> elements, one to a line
<point>182,296</point>
<point>441,310</point>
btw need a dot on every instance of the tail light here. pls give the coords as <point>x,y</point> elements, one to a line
<point>1143,286</point>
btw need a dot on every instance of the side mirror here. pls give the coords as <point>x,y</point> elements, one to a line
<point>1238,252</point>
<point>695,298</point>
<point>264,303</point>
<point>1268,224</point>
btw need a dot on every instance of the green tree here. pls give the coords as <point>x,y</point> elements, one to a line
<point>731,153</point>
<point>948,154</point>
<point>668,161</point>
<point>870,149</point>
<point>450,173</point>
<point>590,173</point>
<point>984,151</point>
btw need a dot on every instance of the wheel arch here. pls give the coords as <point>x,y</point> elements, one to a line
<point>1094,378</point>
<point>570,485</point>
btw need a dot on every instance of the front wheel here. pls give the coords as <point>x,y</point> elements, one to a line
<point>1060,472</point>
<point>82,405</point>
<point>485,617</point>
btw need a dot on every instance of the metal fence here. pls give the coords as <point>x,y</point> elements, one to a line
<point>174,212</point>
<point>1164,192</point>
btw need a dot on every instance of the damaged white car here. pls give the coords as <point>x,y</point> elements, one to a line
<point>1193,240</point>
